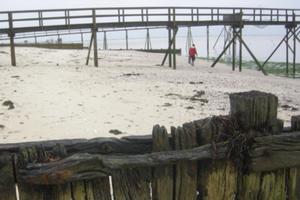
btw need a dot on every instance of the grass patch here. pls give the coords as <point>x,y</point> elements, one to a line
<point>275,68</point>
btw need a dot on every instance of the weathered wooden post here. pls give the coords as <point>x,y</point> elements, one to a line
<point>163,180</point>
<point>295,172</point>
<point>252,114</point>
<point>186,172</point>
<point>255,110</point>
<point>7,183</point>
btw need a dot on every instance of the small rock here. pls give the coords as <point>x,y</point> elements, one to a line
<point>9,103</point>
<point>2,126</point>
<point>115,132</point>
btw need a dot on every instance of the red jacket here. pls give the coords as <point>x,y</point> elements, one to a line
<point>192,51</point>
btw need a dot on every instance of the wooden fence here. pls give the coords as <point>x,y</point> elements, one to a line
<point>246,155</point>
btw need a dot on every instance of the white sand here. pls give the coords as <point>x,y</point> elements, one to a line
<point>72,100</point>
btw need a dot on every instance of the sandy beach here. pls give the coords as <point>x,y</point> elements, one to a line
<point>56,96</point>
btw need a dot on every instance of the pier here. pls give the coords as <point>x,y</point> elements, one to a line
<point>170,18</point>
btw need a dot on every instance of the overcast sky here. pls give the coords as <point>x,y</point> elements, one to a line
<point>49,4</point>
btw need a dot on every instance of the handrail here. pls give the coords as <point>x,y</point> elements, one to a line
<point>146,14</point>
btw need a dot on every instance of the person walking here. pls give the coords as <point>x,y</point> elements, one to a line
<point>192,54</point>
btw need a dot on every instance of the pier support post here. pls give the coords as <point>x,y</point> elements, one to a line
<point>241,52</point>
<point>175,29</point>
<point>95,39</point>
<point>105,47</point>
<point>287,52</point>
<point>233,49</point>
<point>291,33</point>
<point>174,47</point>
<point>126,35</point>
<point>12,41</point>
<point>207,42</point>
<point>238,34</point>
<point>171,52</point>
<point>148,45</point>
<point>169,46</point>
<point>90,47</point>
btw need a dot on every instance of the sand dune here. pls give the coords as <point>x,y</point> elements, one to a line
<point>56,96</point>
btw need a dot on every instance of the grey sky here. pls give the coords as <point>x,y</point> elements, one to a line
<point>51,4</point>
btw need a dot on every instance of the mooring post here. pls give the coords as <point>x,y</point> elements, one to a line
<point>126,35</point>
<point>207,41</point>
<point>95,39</point>
<point>11,38</point>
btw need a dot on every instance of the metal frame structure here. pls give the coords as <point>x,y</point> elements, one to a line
<point>15,22</point>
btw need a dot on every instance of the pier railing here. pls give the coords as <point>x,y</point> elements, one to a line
<point>60,19</point>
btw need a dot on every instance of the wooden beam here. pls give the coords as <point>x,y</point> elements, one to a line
<point>264,156</point>
<point>126,145</point>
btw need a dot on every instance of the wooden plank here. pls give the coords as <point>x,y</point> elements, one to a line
<point>295,172</point>
<point>58,192</point>
<point>293,189</point>
<point>133,184</point>
<point>78,190</point>
<point>7,183</point>
<point>29,155</point>
<point>219,181</point>
<point>273,186</point>
<point>186,172</point>
<point>162,183</point>
<point>295,123</point>
<point>250,187</point>
<point>98,189</point>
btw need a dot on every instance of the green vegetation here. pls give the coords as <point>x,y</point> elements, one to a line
<point>275,68</point>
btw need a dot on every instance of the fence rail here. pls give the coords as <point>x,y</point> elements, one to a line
<point>61,19</point>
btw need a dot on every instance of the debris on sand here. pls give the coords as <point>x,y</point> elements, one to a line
<point>132,74</point>
<point>115,132</point>
<point>288,107</point>
<point>198,97</point>
<point>167,105</point>
<point>190,108</point>
<point>9,103</point>
<point>174,95</point>
<point>2,126</point>
<point>196,83</point>
<point>3,52</point>
<point>17,77</point>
